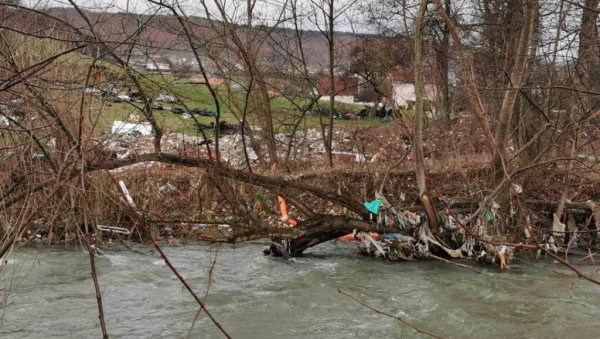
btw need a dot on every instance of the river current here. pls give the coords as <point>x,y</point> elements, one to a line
<point>49,293</point>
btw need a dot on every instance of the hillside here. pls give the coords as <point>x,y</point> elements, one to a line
<point>141,36</point>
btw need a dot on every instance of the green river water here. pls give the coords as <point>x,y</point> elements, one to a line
<point>48,293</point>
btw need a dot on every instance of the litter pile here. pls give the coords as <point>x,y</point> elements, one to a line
<point>125,145</point>
<point>130,138</point>
<point>409,236</point>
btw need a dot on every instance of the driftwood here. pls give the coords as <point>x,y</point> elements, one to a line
<point>322,228</point>
<point>423,243</point>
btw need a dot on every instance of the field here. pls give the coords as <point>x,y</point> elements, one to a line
<point>192,95</point>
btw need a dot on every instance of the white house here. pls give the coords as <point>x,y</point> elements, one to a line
<point>404,94</point>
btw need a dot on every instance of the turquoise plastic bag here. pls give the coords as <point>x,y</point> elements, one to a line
<point>489,216</point>
<point>373,206</point>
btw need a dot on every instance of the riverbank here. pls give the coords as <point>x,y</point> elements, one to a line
<point>186,193</point>
<point>187,205</point>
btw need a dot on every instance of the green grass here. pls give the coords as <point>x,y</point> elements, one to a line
<point>168,120</point>
<point>285,112</point>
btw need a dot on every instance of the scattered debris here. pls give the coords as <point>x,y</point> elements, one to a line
<point>166,232</point>
<point>123,98</point>
<point>132,128</point>
<point>166,98</point>
<point>113,229</point>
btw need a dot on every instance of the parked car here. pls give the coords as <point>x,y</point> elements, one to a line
<point>202,112</point>
<point>227,128</point>
<point>202,126</point>
<point>178,110</point>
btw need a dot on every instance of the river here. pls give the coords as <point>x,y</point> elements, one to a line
<point>51,295</point>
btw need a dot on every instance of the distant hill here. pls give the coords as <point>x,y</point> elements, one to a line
<point>144,35</point>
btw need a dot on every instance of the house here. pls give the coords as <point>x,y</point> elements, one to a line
<point>345,88</point>
<point>403,94</point>
<point>401,80</point>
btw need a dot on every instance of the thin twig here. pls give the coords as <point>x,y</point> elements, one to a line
<point>142,220</point>
<point>454,263</point>
<point>187,287</point>
<point>129,247</point>
<point>394,165</point>
<point>208,286</point>
<point>96,286</point>
<point>573,268</point>
<point>419,330</point>
<point>569,246</point>
<point>593,262</point>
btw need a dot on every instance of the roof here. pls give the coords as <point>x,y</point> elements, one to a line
<point>342,86</point>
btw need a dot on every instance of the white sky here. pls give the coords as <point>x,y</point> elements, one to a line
<point>265,12</point>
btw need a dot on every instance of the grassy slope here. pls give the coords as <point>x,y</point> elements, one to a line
<point>198,96</point>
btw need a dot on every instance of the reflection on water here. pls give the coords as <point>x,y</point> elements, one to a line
<point>52,296</point>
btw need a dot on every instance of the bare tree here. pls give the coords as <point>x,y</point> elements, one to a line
<point>432,216</point>
<point>325,15</point>
<point>60,166</point>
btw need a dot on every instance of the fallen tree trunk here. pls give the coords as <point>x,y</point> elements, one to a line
<point>324,227</point>
<point>275,184</point>
<point>407,242</point>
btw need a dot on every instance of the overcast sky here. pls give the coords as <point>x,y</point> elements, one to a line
<point>265,12</point>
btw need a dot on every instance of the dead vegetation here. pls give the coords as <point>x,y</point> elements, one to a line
<point>510,169</point>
